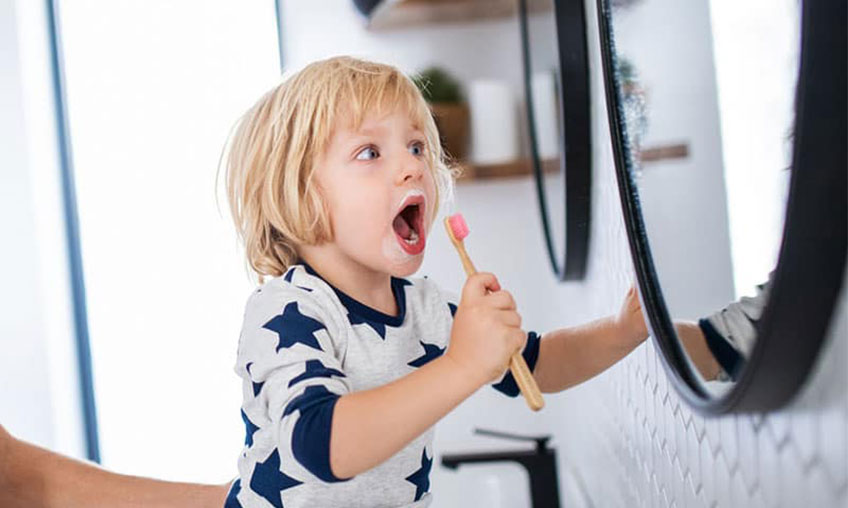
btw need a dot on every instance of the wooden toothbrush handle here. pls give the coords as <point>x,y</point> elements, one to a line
<point>520,371</point>
<point>466,261</point>
<point>526,382</point>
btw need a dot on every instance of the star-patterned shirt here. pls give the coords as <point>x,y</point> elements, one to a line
<point>303,345</point>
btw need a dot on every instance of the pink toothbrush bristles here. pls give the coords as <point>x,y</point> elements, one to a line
<point>458,226</point>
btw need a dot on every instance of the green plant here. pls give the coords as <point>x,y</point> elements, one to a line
<point>438,86</point>
<point>626,71</point>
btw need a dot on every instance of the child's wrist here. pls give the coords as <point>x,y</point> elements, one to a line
<point>460,374</point>
<point>627,333</point>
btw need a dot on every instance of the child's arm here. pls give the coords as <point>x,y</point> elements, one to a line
<point>370,426</point>
<point>695,343</point>
<point>570,356</point>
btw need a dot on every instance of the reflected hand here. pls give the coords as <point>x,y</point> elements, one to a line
<point>631,321</point>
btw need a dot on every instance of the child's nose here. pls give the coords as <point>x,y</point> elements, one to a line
<point>411,168</point>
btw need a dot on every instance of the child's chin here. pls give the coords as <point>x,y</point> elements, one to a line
<point>398,262</point>
<point>408,268</point>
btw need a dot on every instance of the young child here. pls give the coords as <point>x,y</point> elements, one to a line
<point>334,181</point>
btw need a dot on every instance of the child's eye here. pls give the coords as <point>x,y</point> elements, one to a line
<point>416,148</point>
<point>368,153</point>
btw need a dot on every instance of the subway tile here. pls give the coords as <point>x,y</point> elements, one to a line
<point>729,439</point>
<point>748,446</point>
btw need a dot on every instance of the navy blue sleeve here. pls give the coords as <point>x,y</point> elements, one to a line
<point>311,434</point>
<point>507,385</point>
<point>292,380</point>
<point>726,356</point>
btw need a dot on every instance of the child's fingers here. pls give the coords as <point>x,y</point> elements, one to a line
<point>509,318</point>
<point>480,284</point>
<point>519,338</point>
<point>633,299</point>
<point>501,300</point>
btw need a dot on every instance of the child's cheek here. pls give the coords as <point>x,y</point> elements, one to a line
<point>365,223</point>
<point>393,251</point>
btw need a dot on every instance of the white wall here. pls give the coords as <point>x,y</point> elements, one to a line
<point>623,438</point>
<point>684,201</point>
<point>316,30</point>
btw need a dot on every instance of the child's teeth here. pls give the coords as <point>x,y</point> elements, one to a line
<point>413,238</point>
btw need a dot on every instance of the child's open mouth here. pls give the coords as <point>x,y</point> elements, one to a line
<point>409,225</point>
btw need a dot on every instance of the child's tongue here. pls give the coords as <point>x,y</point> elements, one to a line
<point>401,227</point>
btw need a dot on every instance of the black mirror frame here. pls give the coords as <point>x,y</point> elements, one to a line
<point>576,162</point>
<point>811,264</point>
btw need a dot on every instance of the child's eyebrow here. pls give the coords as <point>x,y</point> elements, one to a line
<point>353,135</point>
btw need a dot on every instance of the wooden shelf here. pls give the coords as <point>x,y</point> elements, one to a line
<point>522,167</point>
<point>664,152</point>
<point>394,14</point>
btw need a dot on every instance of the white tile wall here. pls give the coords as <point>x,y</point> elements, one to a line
<point>640,445</point>
<point>631,441</point>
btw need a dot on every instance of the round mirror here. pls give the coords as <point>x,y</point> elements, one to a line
<point>709,105</point>
<point>556,83</point>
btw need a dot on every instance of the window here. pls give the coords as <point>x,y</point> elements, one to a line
<point>153,90</point>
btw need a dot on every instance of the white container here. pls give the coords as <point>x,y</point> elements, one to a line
<point>545,114</point>
<point>494,129</point>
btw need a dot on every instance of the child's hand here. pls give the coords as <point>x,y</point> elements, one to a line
<point>486,329</point>
<point>630,320</point>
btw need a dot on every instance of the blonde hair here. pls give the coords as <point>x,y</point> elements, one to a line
<point>270,158</point>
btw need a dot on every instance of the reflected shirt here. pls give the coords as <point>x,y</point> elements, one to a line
<point>304,344</point>
<point>732,332</point>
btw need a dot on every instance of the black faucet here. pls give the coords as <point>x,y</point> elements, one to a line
<point>540,464</point>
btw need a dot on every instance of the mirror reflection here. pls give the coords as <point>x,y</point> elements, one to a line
<point>707,90</point>
<point>545,91</point>
<point>556,87</point>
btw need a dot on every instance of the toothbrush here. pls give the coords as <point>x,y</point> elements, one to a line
<point>457,231</point>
